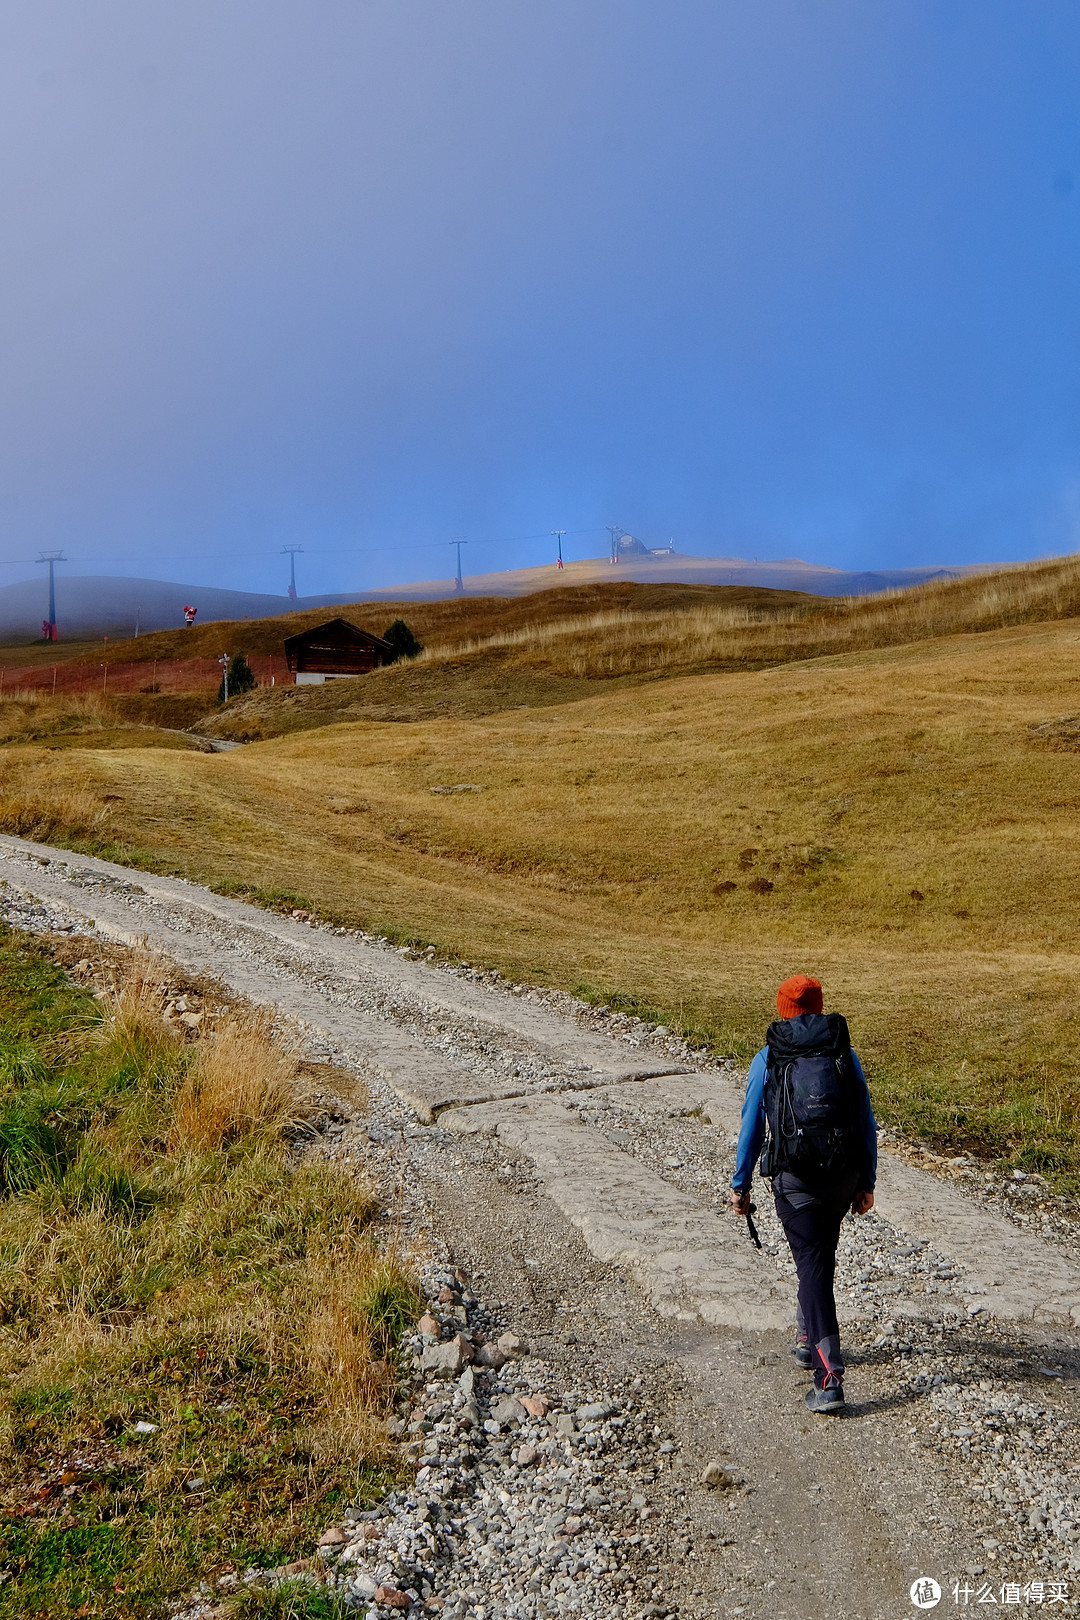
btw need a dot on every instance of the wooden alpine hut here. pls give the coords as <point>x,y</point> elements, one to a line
<point>331,651</point>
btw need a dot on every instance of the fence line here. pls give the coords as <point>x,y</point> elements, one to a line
<point>147,675</point>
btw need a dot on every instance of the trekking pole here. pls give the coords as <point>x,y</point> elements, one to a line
<point>751,1228</point>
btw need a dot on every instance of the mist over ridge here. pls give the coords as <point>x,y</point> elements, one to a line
<point>97,605</point>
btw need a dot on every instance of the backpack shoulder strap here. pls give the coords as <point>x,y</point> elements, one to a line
<point>841,1037</point>
<point>773,1039</point>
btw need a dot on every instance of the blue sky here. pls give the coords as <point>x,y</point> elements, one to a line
<point>772,277</point>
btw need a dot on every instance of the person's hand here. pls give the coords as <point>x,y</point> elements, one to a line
<point>862,1203</point>
<point>740,1203</point>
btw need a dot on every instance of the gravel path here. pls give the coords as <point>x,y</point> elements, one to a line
<point>566,1198</point>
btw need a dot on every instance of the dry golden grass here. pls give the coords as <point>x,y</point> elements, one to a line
<point>900,821</point>
<point>448,619</point>
<point>554,647</point>
<point>41,716</point>
<point>20,711</point>
<point>421,690</point>
<point>244,1084</point>
<point>90,721</point>
<point>710,635</point>
<point>20,654</point>
<point>354,1308</point>
<point>44,812</point>
<point>132,998</point>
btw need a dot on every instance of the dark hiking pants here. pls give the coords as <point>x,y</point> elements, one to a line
<point>812,1228</point>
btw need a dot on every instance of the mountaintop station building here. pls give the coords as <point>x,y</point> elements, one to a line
<point>331,651</point>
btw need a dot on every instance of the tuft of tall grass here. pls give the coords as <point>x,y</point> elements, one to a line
<point>21,1061</point>
<point>33,1150</point>
<point>25,716</point>
<point>355,1306</point>
<point>96,1182</point>
<point>132,1005</point>
<point>389,1302</point>
<point>242,1085</point>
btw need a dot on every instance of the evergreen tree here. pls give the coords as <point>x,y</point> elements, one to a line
<point>402,640</point>
<point>241,678</point>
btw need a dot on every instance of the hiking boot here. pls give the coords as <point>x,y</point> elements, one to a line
<point>828,1399</point>
<point>803,1355</point>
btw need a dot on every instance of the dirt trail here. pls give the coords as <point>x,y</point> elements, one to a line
<point>580,1177</point>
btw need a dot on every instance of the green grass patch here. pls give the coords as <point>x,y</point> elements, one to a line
<point>288,1600</point>
<point>120,852</point>
<point>273,899</point>
<point>390,1303</point>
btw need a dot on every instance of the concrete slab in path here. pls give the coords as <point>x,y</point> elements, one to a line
<point>693,1263</point>
<point>715,1098</point>
<point>1018,1276</point>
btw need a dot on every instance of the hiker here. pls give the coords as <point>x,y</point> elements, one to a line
<point>808,1102</point>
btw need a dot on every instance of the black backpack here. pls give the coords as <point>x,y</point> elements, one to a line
<point>811,1100</point>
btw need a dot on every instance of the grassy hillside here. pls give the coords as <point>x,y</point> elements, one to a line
<point>457,688</point>
<point>90,721</point>
<point>900,821</point>
<point>454,618</point>
<point>17,654</point>
<point>715,634</point>
<point>546,658</point>
<point>619,627</point>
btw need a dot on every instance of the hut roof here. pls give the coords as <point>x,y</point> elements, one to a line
<point>336,633</point>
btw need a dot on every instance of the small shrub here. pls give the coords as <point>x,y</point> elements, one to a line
<point>402,640</point>
<point>760,885</point>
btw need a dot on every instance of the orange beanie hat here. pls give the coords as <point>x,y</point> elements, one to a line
<point>798,995</point>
